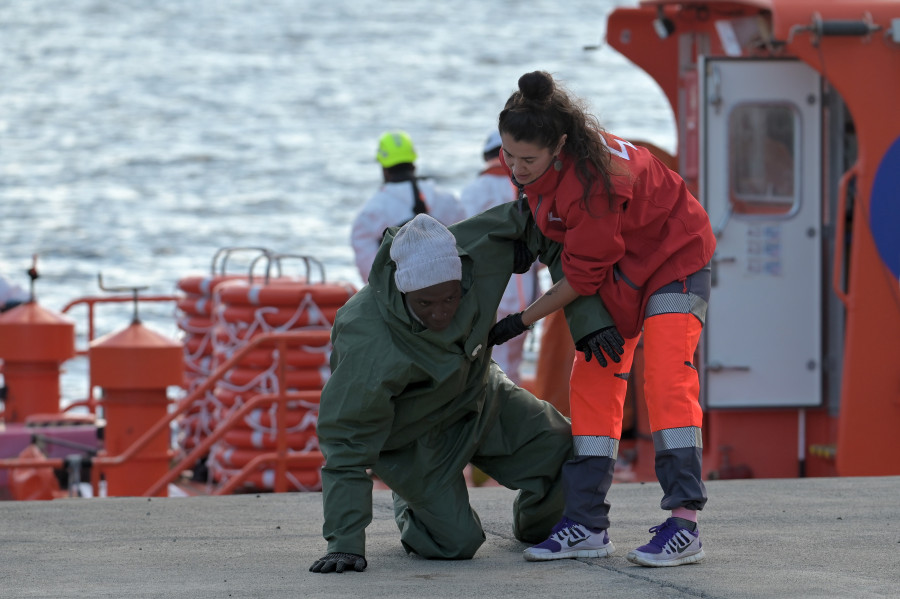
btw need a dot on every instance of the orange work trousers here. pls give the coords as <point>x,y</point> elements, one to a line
<point>671,381</point>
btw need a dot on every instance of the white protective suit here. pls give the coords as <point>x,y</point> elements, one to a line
<point>391,206</point>
<point>11,294</point>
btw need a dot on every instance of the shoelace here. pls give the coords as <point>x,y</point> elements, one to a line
<point>568,528</point>
<point>663,532</point>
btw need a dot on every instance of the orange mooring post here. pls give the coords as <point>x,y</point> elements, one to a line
<point>34,342</point>
<point>134,367</point>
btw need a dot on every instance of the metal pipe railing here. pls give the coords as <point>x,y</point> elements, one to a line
<point>281,439</point>
<point>90,301</point>
<point>278,340</point>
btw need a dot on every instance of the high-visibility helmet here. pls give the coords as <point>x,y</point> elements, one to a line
<point>395,147</point>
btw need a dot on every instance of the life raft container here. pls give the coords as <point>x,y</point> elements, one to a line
<point>303,479</point>
<point>240,309</point>
<point>195,320</point>
<point>194,311</point>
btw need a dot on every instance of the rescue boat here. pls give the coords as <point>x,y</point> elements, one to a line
<point>788,131</point>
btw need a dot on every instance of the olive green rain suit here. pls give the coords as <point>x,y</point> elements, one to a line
<point>416,406</point>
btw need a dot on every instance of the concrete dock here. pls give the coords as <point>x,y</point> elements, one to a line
<point>825,537</point>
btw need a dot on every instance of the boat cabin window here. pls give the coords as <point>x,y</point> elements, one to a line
<point>763,147</point>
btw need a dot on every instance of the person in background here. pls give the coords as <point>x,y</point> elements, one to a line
<point>492,187</point>
<point>401,197</point>
<point>414,395</point>
<point>11,295</point>
<point>633,234</point>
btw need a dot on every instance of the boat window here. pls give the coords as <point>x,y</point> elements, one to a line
<point>763,176</point>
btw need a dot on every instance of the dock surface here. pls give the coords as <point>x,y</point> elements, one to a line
<point>818,537</point>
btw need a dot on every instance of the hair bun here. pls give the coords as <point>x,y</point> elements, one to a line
<point>536,86</point>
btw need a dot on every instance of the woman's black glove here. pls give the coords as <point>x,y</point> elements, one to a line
<point>608,340</point>
<point>506,329</point>
<point>338,562</point>
<point>522,257</point>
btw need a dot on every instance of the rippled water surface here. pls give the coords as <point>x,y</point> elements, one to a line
<point>137,138</point>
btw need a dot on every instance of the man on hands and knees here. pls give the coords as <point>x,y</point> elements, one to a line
<point>414,396</point>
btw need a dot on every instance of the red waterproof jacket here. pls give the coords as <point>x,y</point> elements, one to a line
<point>653,232</point>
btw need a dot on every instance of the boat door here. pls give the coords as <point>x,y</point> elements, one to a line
<point>761,185</point>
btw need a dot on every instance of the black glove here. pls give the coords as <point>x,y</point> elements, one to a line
<point>506,329</point>
<point>608,339</point>
<point>522,257</point>
<point>338,562</point>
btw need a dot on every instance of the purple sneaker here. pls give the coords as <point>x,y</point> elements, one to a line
<point>672,545</point>
<point>570,540</point>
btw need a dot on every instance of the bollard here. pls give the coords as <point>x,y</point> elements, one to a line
<point>134,367</point>
<point>34,342</point>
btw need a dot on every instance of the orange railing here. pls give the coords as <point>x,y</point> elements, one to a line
<point>840,241</point>
<point>90,403</point>
<point>281,457</point>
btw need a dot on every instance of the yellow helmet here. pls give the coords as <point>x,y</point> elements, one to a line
<point>395,147</point>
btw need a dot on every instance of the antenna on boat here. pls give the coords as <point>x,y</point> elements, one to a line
<point>134,293</point>
<point>33,274</point>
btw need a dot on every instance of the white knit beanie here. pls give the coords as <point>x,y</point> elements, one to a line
<point>425,253</point>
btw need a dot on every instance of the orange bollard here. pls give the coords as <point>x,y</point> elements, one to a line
<point>34,342</point>
<point>134,367</point>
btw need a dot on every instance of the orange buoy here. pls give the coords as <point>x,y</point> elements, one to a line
<point>245,439</point>
<point>203,286</point>
<point>244,309</point>
<point>286,292</point>
<point>295,378</point>
<point>196,321</point>
<point>304,475</point>
<point>264,480</point>
<point>34,342</point>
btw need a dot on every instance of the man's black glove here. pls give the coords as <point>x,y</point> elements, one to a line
<point>506,329</point>
<point>608,340</point>
<point>522,257</point>
<point>338,562</point>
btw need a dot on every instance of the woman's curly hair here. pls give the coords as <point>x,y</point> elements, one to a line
<point>541,111</point>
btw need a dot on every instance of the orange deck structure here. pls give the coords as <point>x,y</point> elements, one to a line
<point>845,421</point>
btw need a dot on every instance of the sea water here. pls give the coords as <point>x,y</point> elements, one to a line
<point>138,138</point>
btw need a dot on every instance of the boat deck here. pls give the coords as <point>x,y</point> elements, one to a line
<point>817,537</point>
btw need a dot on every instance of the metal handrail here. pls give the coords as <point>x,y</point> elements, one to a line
<point>281,456</point>
<point>265,458</point>
<point>279,340</point>
<point>90,301</point>
<point>280,453</point>
<point>840,220</point>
